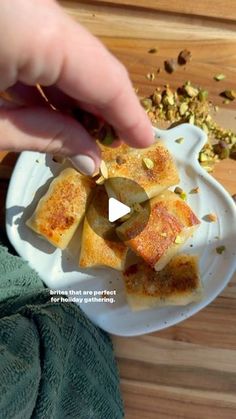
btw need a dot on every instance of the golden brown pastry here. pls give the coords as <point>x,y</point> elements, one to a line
<point>100,245</point>
<point>177,284</point>
<point>110,153</point>
<point>61,209</point>
<point>171,222</point>
<point>152,169</point>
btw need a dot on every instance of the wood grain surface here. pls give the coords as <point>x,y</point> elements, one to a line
<point>212,8</point>
<point>189,370</point>
<point>124,21</point>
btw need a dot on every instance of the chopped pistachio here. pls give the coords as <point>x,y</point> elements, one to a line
<point>192,119</point>
<point>203,95</point>
<point>219,77</point>
<point>148,163</point>
<point>146,103</point>
<point>150,76</point>
<point>205,128</point>
<point>103,169</point>
<point>169,97</point>
<point>183,196</point>
<point>157,98</point>
<point>208,168</point>
<point>178,190</point>
<point>203,157</point>
<point>170,65</point>
<point>100,180</point>
<point>220,249</point>
<point>233,139</point>
<point>166,101</point>
<point>195,190</point>
<point>233,152</point>
<point>152,50</point>
<point>210,217</point>
<point>183,108</point>
<point>229,94</point>
<point>179,140</point>
<point>197,110</point>
<point>106,134</point>
<point>109,138</point>
<point>179,240</point>
<point>221,149</point>
<point>184,57</point>
<point>191,91</point>
<point>170,114</point>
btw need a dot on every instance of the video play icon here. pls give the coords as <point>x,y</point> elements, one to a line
<point>109,205</point>
<point>117,210</point>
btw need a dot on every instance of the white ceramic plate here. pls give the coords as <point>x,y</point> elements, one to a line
<point>59,270</point>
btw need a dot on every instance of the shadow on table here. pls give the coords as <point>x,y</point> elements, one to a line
<point>18,215</point>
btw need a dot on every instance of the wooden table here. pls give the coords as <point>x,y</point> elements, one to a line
<point>187,371</point>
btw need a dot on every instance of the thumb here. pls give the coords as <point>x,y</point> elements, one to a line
<point>48,131</point>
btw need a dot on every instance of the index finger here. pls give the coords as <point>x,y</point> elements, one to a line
<point>63,53</point>
<point>92,75</point>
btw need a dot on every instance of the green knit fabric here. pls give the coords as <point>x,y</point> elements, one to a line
<point>54,363</point>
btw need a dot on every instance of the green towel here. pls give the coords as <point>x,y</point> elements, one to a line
<point>54,363</point>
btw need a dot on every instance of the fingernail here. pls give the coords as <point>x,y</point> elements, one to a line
<point>84,164</point>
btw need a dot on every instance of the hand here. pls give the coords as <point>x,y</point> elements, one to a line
<point>40,44</point>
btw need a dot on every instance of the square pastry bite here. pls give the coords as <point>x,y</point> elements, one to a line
<point>100,246</point>
<point>110,153</point>
<point>177,284</point>
<point>159,230</point>
<point>60,211</point>
<point>152,169</point>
